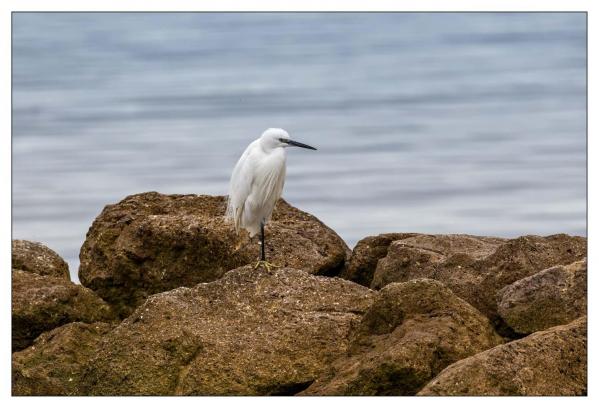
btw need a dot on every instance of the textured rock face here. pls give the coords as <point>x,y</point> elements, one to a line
<point>150,243</point>
<point>366,254</point>
<point>53,364</point>
<point>475,268</point>
<point>552,362</point>
<point>41,303</point>
<point>421,255</point>
<point>37,258</point>
<point>249,333</point>
<point>201,321</point>
<point>548,298</point>
<point>410,333</point>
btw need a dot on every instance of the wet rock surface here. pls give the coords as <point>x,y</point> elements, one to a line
<point>410,333</point>
<point>37,258</point>
<point>551,362</point>
<point>250,333</point>
<point>41,303</point>
<point>53,364</point>
<point>150,243</point>
<point>548,298</point>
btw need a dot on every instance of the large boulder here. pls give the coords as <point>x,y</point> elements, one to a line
<point>41,303</point>
<point>53,364</point>
<point>548,298</point>
<point>475,268</point>
<point>249,333</point>
<point>35,257</point>
<point>366,254</point>
<point>411,332</point>
<point>151,242</point>
<point>551,362</point>
<point>421,255</point>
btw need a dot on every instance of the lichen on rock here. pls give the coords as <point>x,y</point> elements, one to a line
<point>252,332</point>
<point>366,254</point>
<point>52,365</point>
<point>548,298</point>
<point>199,319</point>
<point>410,333</point>
<point>41,303</point>
<point>150,243</point>
<point>37,258</point>
<point>475,268</point>
<point>551,362</point>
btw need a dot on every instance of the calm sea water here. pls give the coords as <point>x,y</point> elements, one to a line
<point>439,123</point>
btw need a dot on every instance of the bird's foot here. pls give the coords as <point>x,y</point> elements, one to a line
<point>266,265</point>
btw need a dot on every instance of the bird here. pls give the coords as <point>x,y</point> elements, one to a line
<point>257,183</point>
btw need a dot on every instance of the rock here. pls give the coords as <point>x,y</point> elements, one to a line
<point>41,303</point>
<point>551,362</point>
<point>150,243</point>
<point>366,254</point>
<point>421,256</point>
<point>249,333</point>
<point>410,333</point>
<point>37,258</point>
<point>475,268</point>
<point>53,364</point>
<point>548,298</point>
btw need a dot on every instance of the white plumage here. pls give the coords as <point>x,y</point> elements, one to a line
<point>257,180</point>
<point>256,184</point>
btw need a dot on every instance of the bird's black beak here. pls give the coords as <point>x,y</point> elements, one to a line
<point>298,144</point>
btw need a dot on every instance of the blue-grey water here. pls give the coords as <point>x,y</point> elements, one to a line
<point>439,123</point>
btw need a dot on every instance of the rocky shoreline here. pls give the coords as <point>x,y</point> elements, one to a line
<point>169,304</point>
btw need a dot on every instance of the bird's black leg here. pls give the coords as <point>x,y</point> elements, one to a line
<point>262,262</point>
<point>263,244</point>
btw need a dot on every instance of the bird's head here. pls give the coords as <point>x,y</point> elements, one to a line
<point>274,137</point>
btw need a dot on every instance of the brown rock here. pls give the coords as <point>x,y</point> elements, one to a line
<point>53,364</point>
<point>475,268</point>
<point>249,333</point>
<point>41,303</point>
<point>551,362</point>
<point>410,333</point>
<point>150,243</point>
<point>442,257</point>
<point>37,258</point>
<point>366,254</point>
<point>548,298</point>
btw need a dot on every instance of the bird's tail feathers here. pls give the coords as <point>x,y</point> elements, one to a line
<point>233,215</point>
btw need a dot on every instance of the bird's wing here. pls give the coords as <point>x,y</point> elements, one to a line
<point>240,187</point>
<point>268,183</point>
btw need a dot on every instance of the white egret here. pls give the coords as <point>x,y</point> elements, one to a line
<point>257,183</point>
